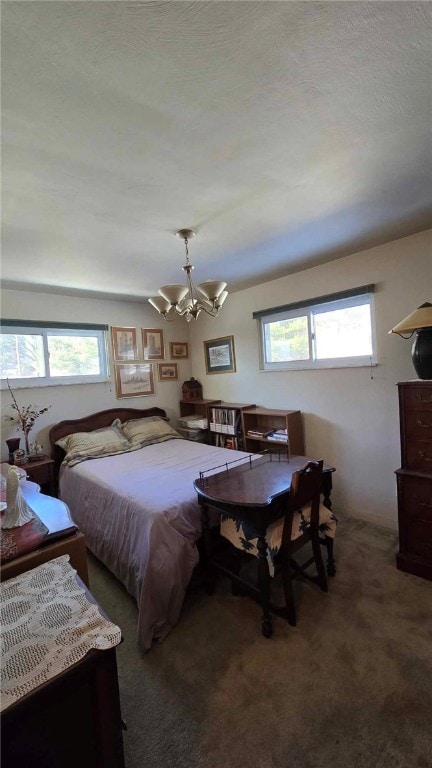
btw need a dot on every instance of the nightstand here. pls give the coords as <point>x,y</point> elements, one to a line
<point>42,473</point>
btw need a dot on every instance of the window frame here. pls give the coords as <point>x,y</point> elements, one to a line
<point>44,330</point>
<point>309,309</point>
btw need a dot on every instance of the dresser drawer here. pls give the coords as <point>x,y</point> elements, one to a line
<point>415,515</point>
<point>417,397</point>
<point>419,539</point>
<point>418,424</point>
<point>414,479</point>
<point>418,456</point>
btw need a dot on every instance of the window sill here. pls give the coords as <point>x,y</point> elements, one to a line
<point>32,384</point>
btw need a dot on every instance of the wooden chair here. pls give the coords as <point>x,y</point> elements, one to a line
<point>287,536</point>
<point>304,503</point>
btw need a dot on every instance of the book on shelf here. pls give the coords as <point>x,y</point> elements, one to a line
<point>226,421</point>
<point>259,432</point>
<point>222,441</point>
<point>226,416</point>
<point>279,436</point>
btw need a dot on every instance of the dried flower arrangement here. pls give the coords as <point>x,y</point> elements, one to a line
<point>24,416</point>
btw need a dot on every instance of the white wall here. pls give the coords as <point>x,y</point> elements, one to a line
<point>350,420</point>
<point>73,401</point>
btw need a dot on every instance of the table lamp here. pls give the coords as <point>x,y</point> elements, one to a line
<point>420,323</point>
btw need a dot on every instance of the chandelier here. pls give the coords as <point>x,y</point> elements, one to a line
<point>190,299</point>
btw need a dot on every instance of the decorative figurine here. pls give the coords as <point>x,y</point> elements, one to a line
<point>18,511</point>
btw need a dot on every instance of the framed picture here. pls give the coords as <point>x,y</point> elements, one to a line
<point>153,344</point>
<point>178,350</point>
<point>220,355</point>
<point>134,380</point>
<point>124,343</point>
<point>168,371</point>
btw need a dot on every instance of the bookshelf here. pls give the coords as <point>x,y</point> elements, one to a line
<point>225,424</point>
<point>265,420</point>
<point>196,407</point>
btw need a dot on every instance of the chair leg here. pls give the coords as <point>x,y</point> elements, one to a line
<point>331,567</point>
<point>288,592</point>
<point>319,562</point>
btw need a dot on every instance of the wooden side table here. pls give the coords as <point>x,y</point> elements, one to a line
<point>42,473</point>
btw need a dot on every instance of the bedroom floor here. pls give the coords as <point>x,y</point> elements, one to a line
<point>350,686</point>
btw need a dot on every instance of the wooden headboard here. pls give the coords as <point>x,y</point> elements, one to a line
<point>94,421</point>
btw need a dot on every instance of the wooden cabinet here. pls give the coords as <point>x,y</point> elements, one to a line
<point>42,473</point>
<point>225,424</point>
<point>266,420</point>
<point>414,478</point>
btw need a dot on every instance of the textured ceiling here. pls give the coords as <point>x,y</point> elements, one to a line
<point>286,134</point>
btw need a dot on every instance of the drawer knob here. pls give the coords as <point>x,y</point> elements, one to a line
<point>421,423</point>
<point>424,457</point>
<point>423,503</point>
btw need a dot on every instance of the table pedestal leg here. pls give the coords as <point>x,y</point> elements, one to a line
<point>264,586</point>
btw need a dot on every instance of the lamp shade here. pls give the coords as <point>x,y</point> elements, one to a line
<point>221,298</point>
<point>420,323</point>
<point>159,303</point>
<point>420,318</point>
<point>211,289</point>
<point>173,293</point>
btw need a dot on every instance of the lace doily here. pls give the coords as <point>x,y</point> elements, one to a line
<point>48,624</point>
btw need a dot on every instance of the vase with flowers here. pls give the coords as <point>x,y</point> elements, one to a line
<point>24,417</point>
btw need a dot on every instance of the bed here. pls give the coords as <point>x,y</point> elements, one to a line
<point>138,509</point>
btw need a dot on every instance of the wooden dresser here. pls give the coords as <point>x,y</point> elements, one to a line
<point>414,478</point>
<point>72,719</point>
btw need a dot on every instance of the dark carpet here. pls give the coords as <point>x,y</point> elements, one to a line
<point>350,686</point>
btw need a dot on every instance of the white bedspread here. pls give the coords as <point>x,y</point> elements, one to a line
<point>140,516</point>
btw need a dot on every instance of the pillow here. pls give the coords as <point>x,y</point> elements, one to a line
<point>148,430</point>
<point>107,441</point>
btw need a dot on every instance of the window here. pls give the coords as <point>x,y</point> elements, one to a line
<point>39,354</point>
<point>326,332</point>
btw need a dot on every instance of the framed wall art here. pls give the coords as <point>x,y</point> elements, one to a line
<point>179,350</point>
<point>134,380</point>
<point>124,343</point>
<point>153,344</point>
<point>168,371</point>
<point>220,355</point>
